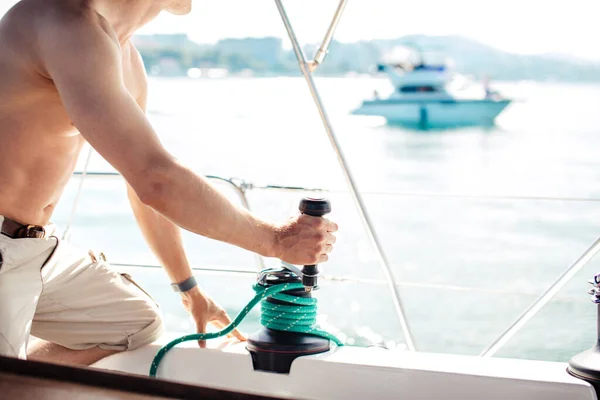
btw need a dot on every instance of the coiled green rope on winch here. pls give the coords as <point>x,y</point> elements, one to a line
<point>299,316</point>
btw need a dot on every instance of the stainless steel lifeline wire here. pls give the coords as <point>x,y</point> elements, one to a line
<point>67,232</point>
<point>306,71</point>
<point>241,187</point>
<point>542,300</point>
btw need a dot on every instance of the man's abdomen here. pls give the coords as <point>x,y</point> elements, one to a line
<point>34,169</point>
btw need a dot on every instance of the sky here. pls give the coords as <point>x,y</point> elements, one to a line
<point>519,26</point>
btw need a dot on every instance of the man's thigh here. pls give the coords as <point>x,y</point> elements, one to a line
<point>20,289</point>
<point>86,303</point>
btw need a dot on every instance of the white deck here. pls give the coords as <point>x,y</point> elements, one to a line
<point>356,373</point>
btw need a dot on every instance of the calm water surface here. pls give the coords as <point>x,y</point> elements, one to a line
<point>468,257</point>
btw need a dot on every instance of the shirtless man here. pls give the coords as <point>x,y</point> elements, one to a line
<point>69,74</point>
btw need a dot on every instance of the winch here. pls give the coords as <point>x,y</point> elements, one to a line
<point>288,313</point>
<point>274,349</point>
<point>586,365</point>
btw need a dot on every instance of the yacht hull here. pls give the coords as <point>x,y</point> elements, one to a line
<point>435,113</point>
<point>361,373</point>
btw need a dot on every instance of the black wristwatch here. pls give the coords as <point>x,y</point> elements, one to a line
<point>184,286</point>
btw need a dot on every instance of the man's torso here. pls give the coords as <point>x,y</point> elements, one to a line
<point>39,146</point>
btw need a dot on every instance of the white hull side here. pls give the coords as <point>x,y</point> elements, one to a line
<point>362,373</point>
<point>435,113</point>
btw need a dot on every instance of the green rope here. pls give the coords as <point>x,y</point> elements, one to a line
<point>299,316</point>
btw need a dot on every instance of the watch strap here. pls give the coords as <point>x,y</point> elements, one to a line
<point>185,286</point>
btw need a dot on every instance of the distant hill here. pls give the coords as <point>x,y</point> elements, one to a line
<point>476,58</point>
<point>175,54</point>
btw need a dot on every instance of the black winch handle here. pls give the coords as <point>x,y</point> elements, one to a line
<point>315,208</point>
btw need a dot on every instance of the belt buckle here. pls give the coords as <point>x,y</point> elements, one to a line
<point>34,231</point>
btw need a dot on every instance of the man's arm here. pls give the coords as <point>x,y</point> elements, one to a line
<point>162,235</point>
<point>83,59</point>
<point>164,238</point>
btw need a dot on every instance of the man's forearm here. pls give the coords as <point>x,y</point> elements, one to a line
<point>163,237</point>
<point>192,203</point>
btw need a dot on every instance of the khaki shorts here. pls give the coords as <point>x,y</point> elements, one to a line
<point>57,293</point>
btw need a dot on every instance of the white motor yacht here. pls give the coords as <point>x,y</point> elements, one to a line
<point>430,95</point>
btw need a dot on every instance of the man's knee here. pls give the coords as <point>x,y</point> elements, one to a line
<point>136,333</point>
<point>147,334</point>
